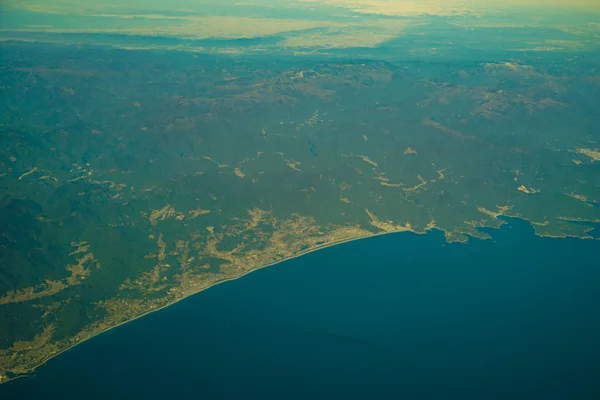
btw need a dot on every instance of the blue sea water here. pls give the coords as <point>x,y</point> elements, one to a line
<point>401,316</point>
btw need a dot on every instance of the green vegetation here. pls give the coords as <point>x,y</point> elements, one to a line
<point>134,178</point>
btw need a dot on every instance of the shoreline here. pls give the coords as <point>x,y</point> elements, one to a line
<point>308,251</point>
<point>232,278</point>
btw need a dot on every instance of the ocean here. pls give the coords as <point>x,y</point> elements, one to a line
<point>399,316</point>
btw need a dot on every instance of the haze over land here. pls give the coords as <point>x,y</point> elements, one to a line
<point>149,152</point>
<point>297,23</point>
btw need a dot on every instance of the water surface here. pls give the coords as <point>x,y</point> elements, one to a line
<point>396,316</point>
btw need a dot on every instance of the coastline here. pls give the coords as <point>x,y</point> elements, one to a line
<point>235,277</point>
<point>232,278</point>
